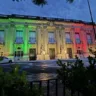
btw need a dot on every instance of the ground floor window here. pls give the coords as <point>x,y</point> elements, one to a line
<point>18,54</point>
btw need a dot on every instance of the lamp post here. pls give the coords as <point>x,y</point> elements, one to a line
<point>91,19</point>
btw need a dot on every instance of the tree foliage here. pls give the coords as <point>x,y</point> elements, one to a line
<point>79,78</point>
<point>15,84</point>
<point>42,2</point>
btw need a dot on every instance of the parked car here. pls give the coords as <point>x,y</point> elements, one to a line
<point>5,60</point>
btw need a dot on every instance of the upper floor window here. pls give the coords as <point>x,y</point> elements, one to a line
<point>89,39</point>
<point>32,37</point>
<point>1,36</point>
<point>51,37</point>
<point>19,37</point>
<point>77,37</point>
<point>68,37</point>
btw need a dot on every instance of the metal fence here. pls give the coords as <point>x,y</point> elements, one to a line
<point>53,87</point>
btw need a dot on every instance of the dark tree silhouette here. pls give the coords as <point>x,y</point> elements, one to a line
<point>42,2</point>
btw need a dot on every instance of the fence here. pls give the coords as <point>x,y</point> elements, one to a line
<point>53,87</point>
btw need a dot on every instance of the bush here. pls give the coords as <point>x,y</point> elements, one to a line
<point>1,58</point>
<point>15,84</point>
<point>78,78</point>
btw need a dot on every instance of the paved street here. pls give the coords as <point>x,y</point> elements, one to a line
<point>38,70</point>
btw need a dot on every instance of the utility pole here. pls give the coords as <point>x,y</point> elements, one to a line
<point>93,25</point>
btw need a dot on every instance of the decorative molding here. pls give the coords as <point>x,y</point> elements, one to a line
<point>57,27</point>
<point>50,23</point>
<point>44,26</point>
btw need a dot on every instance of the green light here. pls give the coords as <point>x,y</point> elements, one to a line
<point>10,36</point>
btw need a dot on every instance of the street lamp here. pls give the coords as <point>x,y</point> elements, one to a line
<point>91,18</point>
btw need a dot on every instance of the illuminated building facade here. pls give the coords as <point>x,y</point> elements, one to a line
<point>40,38</point>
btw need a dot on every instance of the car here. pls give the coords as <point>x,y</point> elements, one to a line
<point>5,60</point>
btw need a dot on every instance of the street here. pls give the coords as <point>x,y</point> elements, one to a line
<point>38,70</point>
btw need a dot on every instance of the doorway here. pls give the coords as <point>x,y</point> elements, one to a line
<point>69,52</point>
<point>52,53</point>
<point>18,54</point>
<point>32,54</point>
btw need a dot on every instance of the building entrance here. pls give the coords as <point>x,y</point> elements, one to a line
<point>32,54</point>
<point>52,53</point>
<point>69,52</point>
<point>18,54</point>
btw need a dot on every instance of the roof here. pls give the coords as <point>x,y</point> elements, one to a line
<point>43,18</point>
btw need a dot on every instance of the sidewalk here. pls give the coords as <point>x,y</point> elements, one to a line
<point>44,60</point>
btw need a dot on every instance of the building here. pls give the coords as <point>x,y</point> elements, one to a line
<point>40,38</point>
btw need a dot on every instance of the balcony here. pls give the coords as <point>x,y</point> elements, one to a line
<point>19,40</point>
<point>68,41</point>
<point>32,40</point>
<point>51,41</point>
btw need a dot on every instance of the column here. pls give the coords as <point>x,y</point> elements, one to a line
<point>58,43</point>
<point>64,40</point>
<point>74,49</point>
<point>84,42</point>
<point>26,39</point>
<point>62,43</point>
<point>11,39</point>
<point>39,43</point>
<point>45,31</point>
<point>7,40</point>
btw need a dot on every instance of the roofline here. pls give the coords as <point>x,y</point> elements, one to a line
<point>43,18</point>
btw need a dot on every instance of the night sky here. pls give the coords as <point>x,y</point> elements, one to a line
<point>55,8</point>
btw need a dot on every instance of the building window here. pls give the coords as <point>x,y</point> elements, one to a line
<point>67,37</point>
<point>19,37</point>
<point>51,37</point>
<point>32,37</point>
<point>18,54</point>
<point>1,36</point>
<point>89,39</point>
<point>77,37</point>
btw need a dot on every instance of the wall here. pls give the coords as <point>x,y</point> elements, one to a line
<point>42,45</point>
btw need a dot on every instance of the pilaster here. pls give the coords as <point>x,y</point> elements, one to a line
<point>26,37</point>
<point>62,46</point>
<point>73,41</point>
<point>45,30</point>
<point>58,43</point>
<point>39,29</point>
<point>11,38</point>
<point>84,43</point>
<point>7,40</point>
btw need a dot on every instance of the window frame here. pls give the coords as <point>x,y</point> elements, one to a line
<point>77,38</point>
<point>51,38</point>
<point>68,40</point>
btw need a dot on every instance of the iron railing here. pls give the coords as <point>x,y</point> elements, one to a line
<point>53,87</point>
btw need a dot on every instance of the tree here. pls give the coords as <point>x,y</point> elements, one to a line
<point>14,83</point>
<point>78,78</point>
<point>42,2</point>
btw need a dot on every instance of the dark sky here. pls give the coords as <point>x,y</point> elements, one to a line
<point>55,8</point>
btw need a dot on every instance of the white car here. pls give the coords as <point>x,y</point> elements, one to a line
<point>5,60</point>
